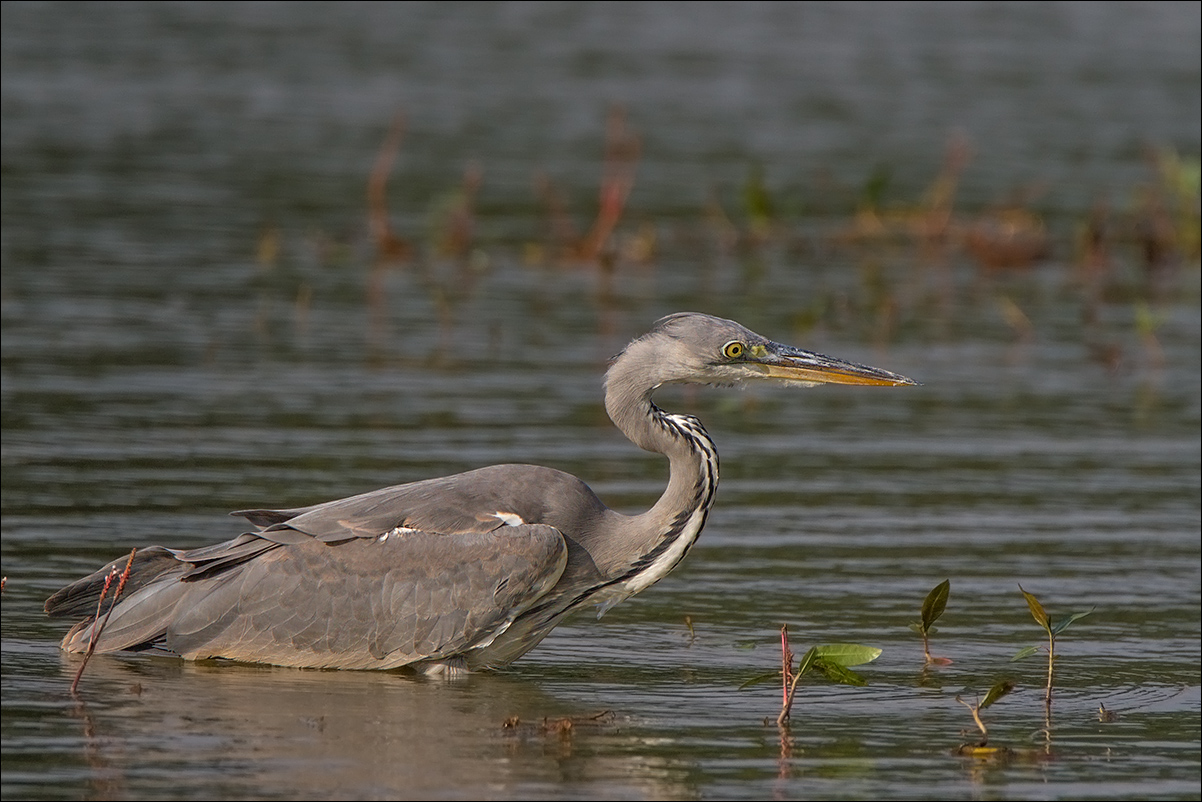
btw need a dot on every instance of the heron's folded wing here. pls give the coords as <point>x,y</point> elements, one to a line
<point>369,603</point>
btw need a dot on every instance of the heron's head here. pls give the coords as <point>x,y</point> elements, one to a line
<point>693,348</point>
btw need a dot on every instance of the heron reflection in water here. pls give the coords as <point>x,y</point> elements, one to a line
<point>454,574</point>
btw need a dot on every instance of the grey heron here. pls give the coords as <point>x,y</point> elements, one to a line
<point>458,573</point>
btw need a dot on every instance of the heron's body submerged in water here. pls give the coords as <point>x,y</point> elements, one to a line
<point>459,573</point>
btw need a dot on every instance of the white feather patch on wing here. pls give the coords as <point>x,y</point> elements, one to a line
<point>398,531</point>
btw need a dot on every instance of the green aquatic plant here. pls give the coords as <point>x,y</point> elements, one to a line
<point>932,608</point>
<point>1180,180</point>
<point>999,690</point>
<point>757,202</point>
<point>831,660</point>
<point>1041,617</point>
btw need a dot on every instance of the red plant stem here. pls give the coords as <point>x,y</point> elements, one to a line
<point>786,659</point>
<point>98,625</point>
<point>387,243</point>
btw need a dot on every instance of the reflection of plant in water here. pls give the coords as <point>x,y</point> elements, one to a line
<point>1041,617</point>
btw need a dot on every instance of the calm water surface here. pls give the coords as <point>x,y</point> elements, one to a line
<point>194,321</point>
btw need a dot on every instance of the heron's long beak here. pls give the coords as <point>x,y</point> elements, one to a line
<point>790,364</point>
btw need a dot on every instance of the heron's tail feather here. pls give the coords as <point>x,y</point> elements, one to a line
<point>158,579</point>
<point>81,597</point>
<point>139,615</point>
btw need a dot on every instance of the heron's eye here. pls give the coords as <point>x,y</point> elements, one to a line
<point>733,349</point>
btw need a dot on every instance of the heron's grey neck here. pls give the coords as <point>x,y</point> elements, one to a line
<point>664,533</point>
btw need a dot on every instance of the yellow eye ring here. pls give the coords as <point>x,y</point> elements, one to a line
<point>733,349</point>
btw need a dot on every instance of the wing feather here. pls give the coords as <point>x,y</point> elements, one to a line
<point>371,603</point>
<point>468,502</point>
